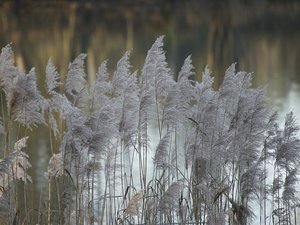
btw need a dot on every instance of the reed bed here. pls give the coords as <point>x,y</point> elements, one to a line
<point>140,147</point>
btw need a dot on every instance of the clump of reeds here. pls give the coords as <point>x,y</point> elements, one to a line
<point>145,148</point>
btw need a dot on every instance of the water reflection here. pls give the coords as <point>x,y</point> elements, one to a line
<point>259,36</point>
<point>262,38</point>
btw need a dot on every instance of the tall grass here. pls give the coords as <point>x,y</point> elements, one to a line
<point>144,148</point>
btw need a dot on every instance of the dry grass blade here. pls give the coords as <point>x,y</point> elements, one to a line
<point>56,165</point>
<point>133,204</point>
<point>20,161</point>
<point>20,144</point>
<point>161,154</point>
<point>52,77</point>
<point>14,166</point>
<point>170,199</point>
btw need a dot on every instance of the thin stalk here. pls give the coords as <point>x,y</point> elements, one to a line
<point>278,202</point>
<point>264,186</point>
<point>93,183</point>
<point>204,214</point>
<point>59,202</point>
<point>110,211</point>
<point>3,116</point>
<point>139,150</point>
<point>104,203</point>
<point>176,154</point>
<point>25,203</point>
<point>49,203</point>
<point>288,215</point>
<point>56,183</point>
<point>233,180</point>
<point>145,157</point>
<point>7,137</point>
<point>39,210</point>
<point>157,112</point>
<point>273,200</point>
<point>295,214</point>
<point>121,160</point>
<point>115,178</point>
<point>77,213</point>
<point>131,164</point>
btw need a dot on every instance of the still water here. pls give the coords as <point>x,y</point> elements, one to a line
<point>261,37</point>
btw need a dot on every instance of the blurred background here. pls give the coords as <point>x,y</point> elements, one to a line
<point>261,36</point>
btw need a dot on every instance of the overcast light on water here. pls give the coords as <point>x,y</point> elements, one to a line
<point>261,36</point>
